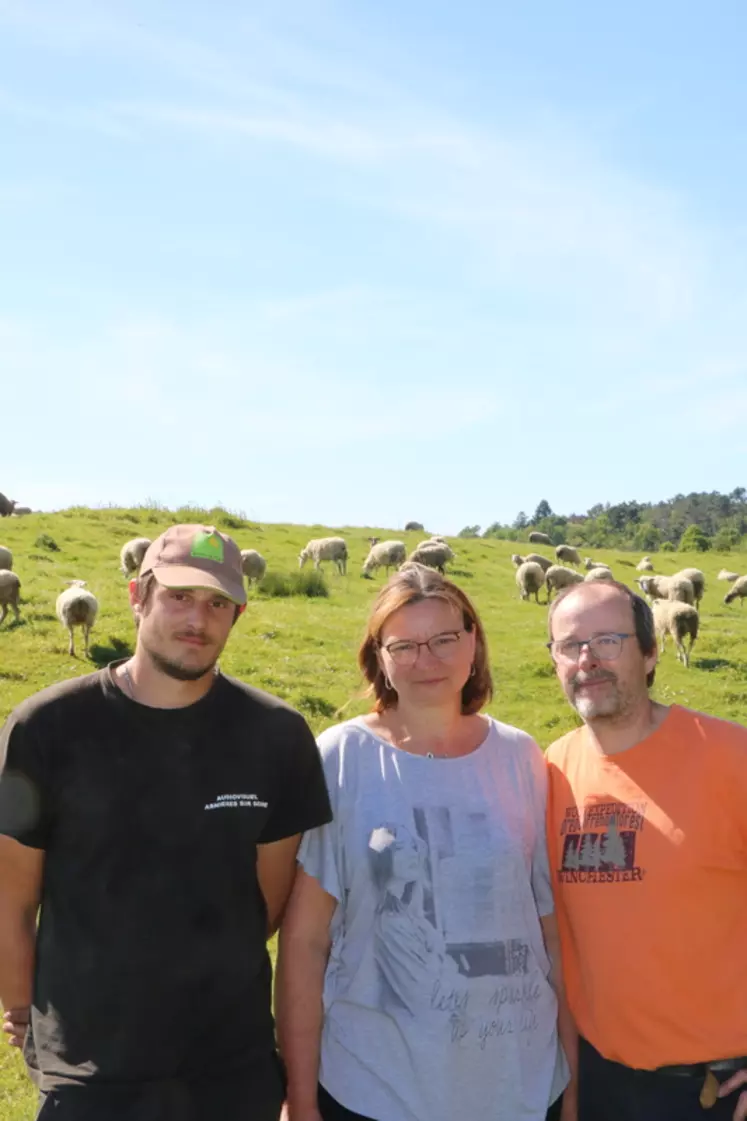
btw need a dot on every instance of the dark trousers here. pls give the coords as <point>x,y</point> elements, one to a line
<point>331,1110</point>
<point>245,1097</point>
<point>609,1091</point>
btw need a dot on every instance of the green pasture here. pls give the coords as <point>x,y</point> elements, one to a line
<point>304,649</point>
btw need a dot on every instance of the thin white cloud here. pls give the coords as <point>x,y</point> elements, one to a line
<point>532,203</point>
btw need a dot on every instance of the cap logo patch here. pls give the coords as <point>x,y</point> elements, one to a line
<point>208,546</point>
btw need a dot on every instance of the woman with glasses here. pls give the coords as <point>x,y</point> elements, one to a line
<point>416,976</point>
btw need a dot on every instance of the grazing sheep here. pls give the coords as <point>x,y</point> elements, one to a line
<point>414,527</point>
<point>645,565</point>
<point>10,593</point>
<point>530,577</point>
<point>6,558</point>
<point>431,541</point>
<point>589,563</point>
<point>724,574</point>
<point>738,591</point>
<point>253,565</point>
<point>696,578</point>
<point>667,587</point>
<point>537,538</point>
<point>567,554</point>
<point>557,577</point>
<point>536,558</point>
<point>516,559</point>
<point>77,607</point>
<point>384,554</point>
<point>325,549</point>
<point>679,620</point>
<point>440,540</point>
<point>7,506</point>
<point>19,511</point>
<point>432,555</point>
<point>132,553</point>
<point>599,572</point>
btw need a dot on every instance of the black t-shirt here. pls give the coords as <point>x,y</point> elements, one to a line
<point>151,951</point>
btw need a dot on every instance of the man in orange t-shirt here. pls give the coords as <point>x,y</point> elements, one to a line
<point>647,831</point>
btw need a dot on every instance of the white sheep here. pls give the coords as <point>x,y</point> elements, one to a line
<point>132,553</point>
<point>77,607</point>
<point>557,577</point>
<point>516,559</point>
<point>253,565</point>
<point>738,591</point>
<point>6,558</point>
<point>530,577</point>
<point>325,549</point>
<point>537,558</point>
<point>10,593</point>
<point>432,555</point>
<point>724,574</point>
<point>384,554</point>
<point>668,587</point>
<point>696,578</point>
<point>645,565</point>
<point>537,538</point>
<point>680,620</point>
<point>567,554</point>
<point>599,572</point>
<point>431,541</point>
<point>589,564</point>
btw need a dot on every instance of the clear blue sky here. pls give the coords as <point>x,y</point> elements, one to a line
<point>370,261</point>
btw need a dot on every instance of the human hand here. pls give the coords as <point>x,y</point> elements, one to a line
<point>732,1084</point>
<point>15,1025</point>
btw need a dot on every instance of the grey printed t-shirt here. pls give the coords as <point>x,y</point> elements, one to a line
<point>436,995</point>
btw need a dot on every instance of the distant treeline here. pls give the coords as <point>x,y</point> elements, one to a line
<point>687,522</point>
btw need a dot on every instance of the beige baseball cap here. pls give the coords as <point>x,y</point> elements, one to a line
<point>196,556</point>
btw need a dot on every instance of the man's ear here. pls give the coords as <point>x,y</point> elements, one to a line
<point>135,598</point>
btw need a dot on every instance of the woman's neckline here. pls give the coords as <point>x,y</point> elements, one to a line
<point>429,757</point>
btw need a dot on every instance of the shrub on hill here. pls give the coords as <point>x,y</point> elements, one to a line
<point>693,540</point>
<point>282,584</point>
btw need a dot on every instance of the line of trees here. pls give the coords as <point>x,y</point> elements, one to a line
<point>688,522</point>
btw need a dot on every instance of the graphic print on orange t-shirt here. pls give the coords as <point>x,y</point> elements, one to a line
<point>599,845</point>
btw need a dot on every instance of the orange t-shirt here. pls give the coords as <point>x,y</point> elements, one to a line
<point>648,855</point>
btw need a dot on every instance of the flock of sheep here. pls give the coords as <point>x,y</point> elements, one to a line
<point>435,553</point>
<point>76,606</point>
<point>675,600</point>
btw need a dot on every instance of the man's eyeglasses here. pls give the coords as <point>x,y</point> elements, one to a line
<point>603,647</point>
<point>404,652</point>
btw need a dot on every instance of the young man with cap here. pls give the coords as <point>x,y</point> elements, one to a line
<point>647,830</point>
<point>153,810</point>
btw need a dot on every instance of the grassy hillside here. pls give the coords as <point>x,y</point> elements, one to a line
<point>304,650</point>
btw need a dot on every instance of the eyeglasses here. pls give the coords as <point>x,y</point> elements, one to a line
<point>404,652</point>
<point>603,647</point>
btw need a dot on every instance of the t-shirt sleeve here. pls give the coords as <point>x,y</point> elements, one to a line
<point>540,874</point>
<point>26,811</point>
<point>301,801</point>
<point>320,854</point>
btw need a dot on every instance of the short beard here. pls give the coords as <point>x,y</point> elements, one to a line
<point>177,670</point>
<point>612,707</point>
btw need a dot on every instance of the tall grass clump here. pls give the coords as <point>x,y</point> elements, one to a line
<point>283,584</point>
